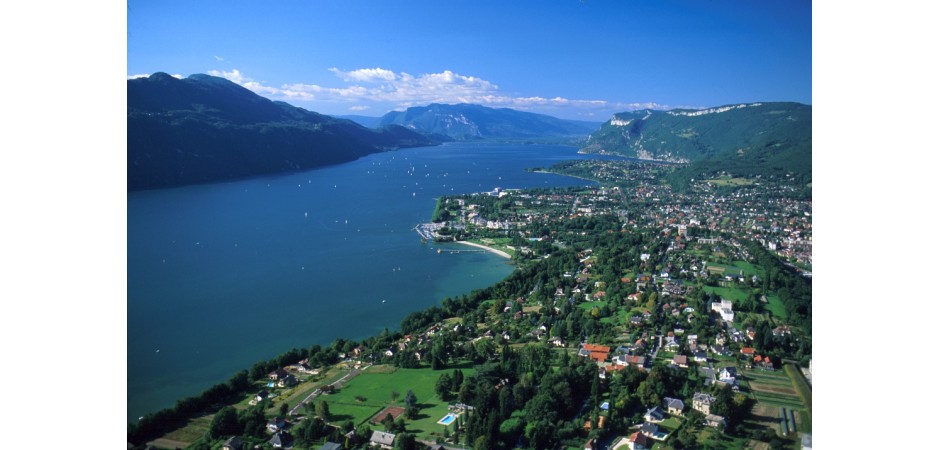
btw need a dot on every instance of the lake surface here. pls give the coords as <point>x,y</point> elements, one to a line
<point>223,275</point>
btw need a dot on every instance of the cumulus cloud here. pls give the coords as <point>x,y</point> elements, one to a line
<point>233,75</point>
<point>366,75</point>
<point>402,90</point>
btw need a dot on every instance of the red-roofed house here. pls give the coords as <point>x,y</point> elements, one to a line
<point>639,441</point>
<point>596,348</point>
<point>598,353</point>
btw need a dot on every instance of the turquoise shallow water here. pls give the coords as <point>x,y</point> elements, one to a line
<point>220,276</point>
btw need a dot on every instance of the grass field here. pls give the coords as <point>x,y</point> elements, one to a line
<point>375,386</point>
<point>775,306</point>
<point>733,294</point>
<point>729,181</point>
<point>737,267</point>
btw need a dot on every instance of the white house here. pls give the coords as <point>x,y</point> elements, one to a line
<point>702,402</point>
<point>725,308</point>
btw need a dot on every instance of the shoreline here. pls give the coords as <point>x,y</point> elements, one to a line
<point>489,249</point>
<point>566,175</point>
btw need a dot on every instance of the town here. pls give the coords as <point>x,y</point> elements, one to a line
<point>638,317</point>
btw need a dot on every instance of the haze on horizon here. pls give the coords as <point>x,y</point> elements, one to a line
<point>579,60</point>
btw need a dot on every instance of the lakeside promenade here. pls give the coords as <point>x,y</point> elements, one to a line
<point>489,249</point>
<point>427,232</point>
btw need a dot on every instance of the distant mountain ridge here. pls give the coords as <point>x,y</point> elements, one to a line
<point>204,129</point>
<point>366,121</point>
<point>750,138</point>
<point>464,122</point>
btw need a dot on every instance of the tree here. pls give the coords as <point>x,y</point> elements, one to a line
<point>253,421</point>
<point>410,398</point>
<point>283,409</point>
<point>323,410</point>
<point>442,388</point>
<point>411,412</point>
<point>405,441</point>
<point>398,426</point>
<point>456,380</point>
<point>465,395</point>
<point>395,395</point>
<point>225,423</point>
<point>411,405</point>
<point>439,355</point>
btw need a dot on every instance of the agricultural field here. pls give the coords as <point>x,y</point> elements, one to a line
<point>773,390</point>
<point>181,438</point>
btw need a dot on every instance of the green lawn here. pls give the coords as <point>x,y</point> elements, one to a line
<point>748,268</point>
<point>736,295</point>
<point>775,306</point>
<point>671,424</point>
<point>375,386</point>
<point>587,306</point>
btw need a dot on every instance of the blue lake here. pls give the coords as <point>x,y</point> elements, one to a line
<point>222,275</point>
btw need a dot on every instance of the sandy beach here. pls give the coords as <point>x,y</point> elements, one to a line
<point>489,249</point>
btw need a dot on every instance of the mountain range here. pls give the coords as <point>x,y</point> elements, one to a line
<point>204,129</point>
<point>742,139</point>
<point>465,122</point>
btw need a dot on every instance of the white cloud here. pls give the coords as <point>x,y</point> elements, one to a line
<point>366,75</point>
<point>402,90</point>
<point>218,58</point>
<point>638,106</point>
<point>234,76</point>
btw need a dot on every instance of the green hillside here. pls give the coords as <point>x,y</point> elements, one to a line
<point>742,140</point>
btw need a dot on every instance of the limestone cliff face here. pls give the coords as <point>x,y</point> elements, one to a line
<point>756,132</point>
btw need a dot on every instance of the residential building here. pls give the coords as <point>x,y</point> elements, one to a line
<point>673,406</point>
<point>702,402</point>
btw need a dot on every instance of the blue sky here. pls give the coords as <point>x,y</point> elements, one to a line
<point>573,59</point>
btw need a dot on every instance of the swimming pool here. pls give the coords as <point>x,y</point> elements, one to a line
<point>447,420</point>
